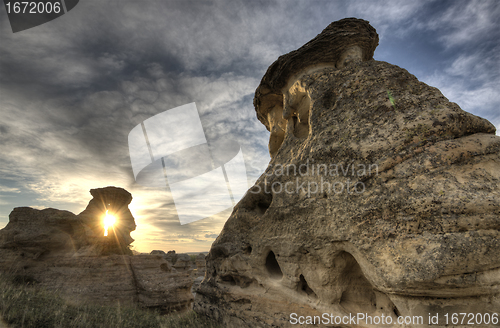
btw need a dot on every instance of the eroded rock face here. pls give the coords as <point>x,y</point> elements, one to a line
<point>382,198</point>
<point>280,97</point>
<point>69,253</point>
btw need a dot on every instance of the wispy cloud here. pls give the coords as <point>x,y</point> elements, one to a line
<point>5,189</point>
<point>385,15</point>
<point>465,21</point>
<point>471,75</point>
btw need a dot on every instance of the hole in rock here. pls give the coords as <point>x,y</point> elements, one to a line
<point>272,266</point>
<point>264,203</point>
<point>247,250</point>
<point>257,199</point>
<point>358,294</point>
<point>300,129</point>
<point>229,279</point>
<point>165,267</point>
<point>328,100</point>
<point>299,102</point>
<point>304,287</point>
<point>238,280</point>
<point>219,251</point>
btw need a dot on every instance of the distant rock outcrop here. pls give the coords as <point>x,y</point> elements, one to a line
<point>381,198</point>
<point>39,232</point>
<point>200,264</point>
<point>69,253</point>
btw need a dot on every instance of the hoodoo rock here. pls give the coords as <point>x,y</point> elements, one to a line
<point>382,198</point>
<point>113,201</point>
<point>69,253</point>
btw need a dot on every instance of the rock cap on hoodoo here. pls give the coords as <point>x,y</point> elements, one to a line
<point>329,48</point>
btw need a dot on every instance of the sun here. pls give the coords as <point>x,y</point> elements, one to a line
<point>109,220</point>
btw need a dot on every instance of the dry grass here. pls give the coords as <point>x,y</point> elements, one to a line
<point>24,305</point>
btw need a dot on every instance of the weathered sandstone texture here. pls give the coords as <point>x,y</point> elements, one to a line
<point>381,197</point>
<point>69,253</point>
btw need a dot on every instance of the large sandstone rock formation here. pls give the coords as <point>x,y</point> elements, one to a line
<point>381,197</point>
<point>69,253</point>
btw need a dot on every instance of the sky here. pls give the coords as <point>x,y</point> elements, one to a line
<point>72,90</point>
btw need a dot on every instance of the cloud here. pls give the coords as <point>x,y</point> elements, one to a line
<point>73,89</point>
<point>482,100</point>
<point>467,69</point>
<point>472,80</point>
<point>480,66</point>
<point>5,189</point>
<point>466,21</point>
<point>384,15</point>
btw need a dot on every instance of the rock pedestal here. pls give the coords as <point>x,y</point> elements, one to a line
<point>381,198</point>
